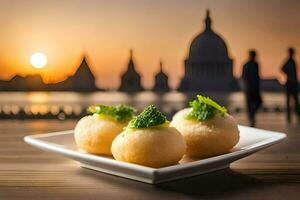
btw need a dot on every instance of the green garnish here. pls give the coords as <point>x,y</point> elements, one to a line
<point>204,108</point>
<point>151,116</point>
<point>120,113</point>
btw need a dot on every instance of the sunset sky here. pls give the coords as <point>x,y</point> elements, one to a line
<point>104,31</point>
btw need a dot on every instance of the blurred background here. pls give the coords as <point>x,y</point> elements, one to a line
<point>59,57</point>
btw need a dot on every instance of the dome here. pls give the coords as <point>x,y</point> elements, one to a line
<point>208,46</point>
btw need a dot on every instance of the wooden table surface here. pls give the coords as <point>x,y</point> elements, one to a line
<point>29,173</point>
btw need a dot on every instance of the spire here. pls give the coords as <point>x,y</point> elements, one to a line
<point>161,66</point>
<point>130,64</point>
<point>84,66</point>
<point>161,80</point>
<point>83,59</point>
<point>131,54</point>
<point>207,21</point>
<point>161,70</point>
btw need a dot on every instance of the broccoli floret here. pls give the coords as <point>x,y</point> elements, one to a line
<point>120,113</point>
<point>204,108</point>
<point>151,116</point>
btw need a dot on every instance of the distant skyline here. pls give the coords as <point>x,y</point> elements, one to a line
<point>104,31</point>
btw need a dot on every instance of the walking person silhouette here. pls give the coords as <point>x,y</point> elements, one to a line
<point>251,82</point>
<point>291,85</point>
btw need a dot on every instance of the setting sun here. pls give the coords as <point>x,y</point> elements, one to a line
<point>38,60</point>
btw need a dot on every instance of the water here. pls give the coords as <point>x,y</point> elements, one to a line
<point>72,105</point>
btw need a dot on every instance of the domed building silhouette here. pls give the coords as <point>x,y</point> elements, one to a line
<point>208,65</point>
<point>161,81</point>
<point>131,80</point>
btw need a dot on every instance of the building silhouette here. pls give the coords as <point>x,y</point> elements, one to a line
<point>161,81</point>
<point>131,80</point>
<point>82,80</point>
<point>19,83</point>
<point>208,65</point>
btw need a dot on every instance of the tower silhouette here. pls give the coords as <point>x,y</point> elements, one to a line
<point>131,80</point>
<point>161,81</point>
<point>83,80</point>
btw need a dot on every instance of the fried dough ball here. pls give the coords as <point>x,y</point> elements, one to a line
<point>94,134</point>
<point>207,138</point>
<point>153,147</point>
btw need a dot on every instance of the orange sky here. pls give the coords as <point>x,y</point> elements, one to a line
<point>106,30</point>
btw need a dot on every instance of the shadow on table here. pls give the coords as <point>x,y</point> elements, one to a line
<point>216,183</point>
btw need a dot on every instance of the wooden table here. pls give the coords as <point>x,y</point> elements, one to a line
<point>29,173</point>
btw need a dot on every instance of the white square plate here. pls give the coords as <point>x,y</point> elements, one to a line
<point>251,140</point>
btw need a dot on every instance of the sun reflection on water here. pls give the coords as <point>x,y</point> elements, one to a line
<point>38,97</point>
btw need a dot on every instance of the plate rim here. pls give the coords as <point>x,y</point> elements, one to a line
<point>70,153</point>
<point>33,140</point>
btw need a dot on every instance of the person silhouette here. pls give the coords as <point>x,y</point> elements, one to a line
<point>291,85</point>
<point>251,82</point>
